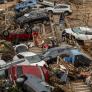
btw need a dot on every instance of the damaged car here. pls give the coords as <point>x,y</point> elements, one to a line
<point>30,58</point>
<point>79,33</point>
<point>31,83</point>
<point>32,17</point>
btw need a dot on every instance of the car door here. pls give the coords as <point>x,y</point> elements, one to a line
<point>57,9</point>
<point>63,8</point>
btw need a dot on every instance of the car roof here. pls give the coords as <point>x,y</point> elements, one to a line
<point>27,53</point>
<point>62,4</point>
<point>80,28</point>
<point>62,47</point>
<point>55,48</point>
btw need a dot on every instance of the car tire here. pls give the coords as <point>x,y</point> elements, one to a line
<point>28,30</point>
<point>50,12</point>
<point>45,22</point>
<point>66,13</point>
<point>5,33</point>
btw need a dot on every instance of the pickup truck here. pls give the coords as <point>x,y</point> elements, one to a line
<point>27,4</point>
<point>77,58</point>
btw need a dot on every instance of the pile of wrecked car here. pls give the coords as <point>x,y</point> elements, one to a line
<point>57,65</point>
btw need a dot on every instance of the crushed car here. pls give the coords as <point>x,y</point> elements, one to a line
<point>51,54</point>
<point>32,17</point>
<point>30,58</point>
<point>16,68</point>
<point>25,5</point>
<point>28,4</point>
<point>14,74</point>
<point>16,37</point>
<point>77,58</point>
<point>79,33</point>
<point>31,83</point>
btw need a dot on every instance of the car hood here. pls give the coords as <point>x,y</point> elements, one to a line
<point>26,62</point>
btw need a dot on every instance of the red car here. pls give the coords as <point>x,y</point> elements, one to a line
<point>19,70</point>
<point>13,36</point>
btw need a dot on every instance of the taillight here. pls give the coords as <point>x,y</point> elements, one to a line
<point>45,65</point>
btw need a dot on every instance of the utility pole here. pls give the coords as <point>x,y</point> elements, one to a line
<point>6,10</point>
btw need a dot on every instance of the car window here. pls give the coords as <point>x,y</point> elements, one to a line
<point>33,59</point>
<point>19,71</point>
<point>21,49</point>
<point>30,2</point>
<point>78,31</point>
<point>2,74</point>
<point>63,6</point>
<point>57,7</point>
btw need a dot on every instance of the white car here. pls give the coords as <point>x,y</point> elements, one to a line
<point>30,59</point>
<point>79,33</point>
<point>60,8</point>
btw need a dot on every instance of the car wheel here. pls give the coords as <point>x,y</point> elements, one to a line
<point>28,30</point>
<point>5,33</point>
<point>66,13</point>
<point>45,22</point>
<point>50,12</point>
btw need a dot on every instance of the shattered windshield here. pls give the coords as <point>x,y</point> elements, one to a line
<point>81,60</point>
<point>33,59</point>
<point>2,74</point>
<point>78,31</point>
<point>21,49</point>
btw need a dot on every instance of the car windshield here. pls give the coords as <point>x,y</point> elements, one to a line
<point>33,59</point>
<point>2,74</point>
<point>83,60</point>
<point>78,31</point>
<point>21,49</point>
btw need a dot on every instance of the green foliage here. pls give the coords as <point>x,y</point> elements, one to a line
<point>14,89</point>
